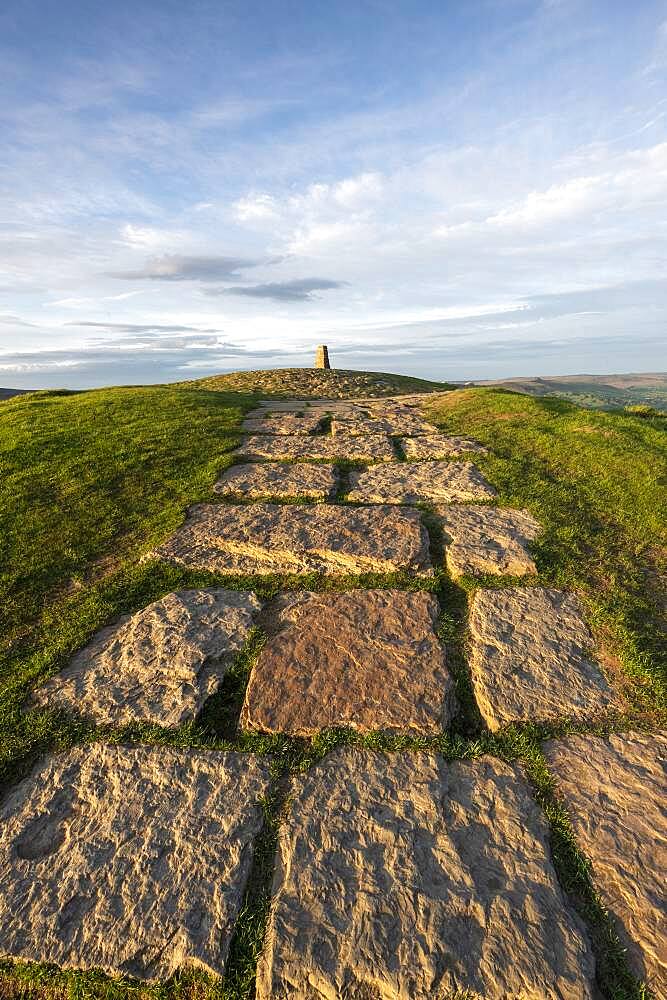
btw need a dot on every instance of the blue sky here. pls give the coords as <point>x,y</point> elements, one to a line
<point>463,190</point>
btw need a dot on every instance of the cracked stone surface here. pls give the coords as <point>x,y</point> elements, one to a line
<point>269,538</point>
<point>158,665</point>
<point>398,423</point>
<point>411,482</point>
<point>615,791</point>
<point>439,446</point>
<point>368,659</point>
<point>373,447</point>
<point>128,859</point>
<point>404,876</point>
<point>279,479</point>
<point>283,423</point>
<point>487,540</point>
<point>530,658</point>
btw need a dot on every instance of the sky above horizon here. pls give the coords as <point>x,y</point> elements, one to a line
<point>466,190</point>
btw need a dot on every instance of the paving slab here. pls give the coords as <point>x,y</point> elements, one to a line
<point>531,658</point>
<point>279,479</point>
<point>431,445</point>
<point>283,423</point>
<point>404,876</point>
<point>615,790</point>
<point>299,538</point>
<point>391,423</point>
<point>368,659</point>
<point>132,860</point>
<point>373,447</point>
<point>158,665</point>
<point>487,539</point>
<point>412,482</point>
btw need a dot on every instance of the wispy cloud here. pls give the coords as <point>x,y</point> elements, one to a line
<point>173,267</point>
<point>298,290</point>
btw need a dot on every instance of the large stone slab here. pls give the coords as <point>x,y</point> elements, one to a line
<point>411,482</point>
<point>531,658</point>
<point>615,790</point>
<point>129,859</point>
<point>369,659</point>
<point>269,538</point>
<point>432,445</point>
<point>159,665</point>
<point>392,423</point>
<point>403,876</point>
<point>487,539</point>
<point>279,479</point>
<point>373,447</point>
<point>283,423</point>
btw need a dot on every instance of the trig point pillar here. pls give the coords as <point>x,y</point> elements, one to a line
<point>322,357</point>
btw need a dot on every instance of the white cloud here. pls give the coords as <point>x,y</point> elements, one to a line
<point>255,207</point>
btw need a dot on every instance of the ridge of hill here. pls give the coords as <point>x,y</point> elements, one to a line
<point>594,391</point>
<point>317,383</point>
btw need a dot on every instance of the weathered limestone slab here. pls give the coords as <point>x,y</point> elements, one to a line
<point>374,447</point>
<point>403,876</point>
<point>159,665</point>
<point>399,423</point>
<point>283,423</point>
<point>279,479</point>
<point>411,482</point>
<point>369,659</point>
<point>615,790</point>
<point>530,658</point>
<point>488,539</point>
<point>128,859</point>
<point>268,538</point>
<point>439,446</point>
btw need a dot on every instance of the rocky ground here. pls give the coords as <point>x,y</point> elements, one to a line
<point>398,872</point>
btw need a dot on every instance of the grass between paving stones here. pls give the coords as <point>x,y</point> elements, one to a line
<point>535,465</point>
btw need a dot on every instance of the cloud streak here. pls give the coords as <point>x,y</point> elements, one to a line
<point>173,267</point>
<point>297,290</point>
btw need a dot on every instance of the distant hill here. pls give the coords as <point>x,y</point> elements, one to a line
<point>8,393</point>
<point>600,391</point>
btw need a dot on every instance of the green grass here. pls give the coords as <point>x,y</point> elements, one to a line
<point>91,481</point>
<point>88,480</point>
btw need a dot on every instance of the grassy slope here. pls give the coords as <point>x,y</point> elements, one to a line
<point>124,463</point>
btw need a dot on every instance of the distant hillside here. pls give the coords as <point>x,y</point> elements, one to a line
<point>600,391</point>
<point>318,383</point>
<point>8,393</point>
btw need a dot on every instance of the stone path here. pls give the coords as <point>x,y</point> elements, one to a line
<point>278,479</point>
<point>412,482</point>
<point>531,660</point>
<point>269,538</point>
<point>129,859</point>
<point>615,791</point>
<point>369,659</point>
<point>159,665</point>
<point>405,876</point>
<point>399,875</point>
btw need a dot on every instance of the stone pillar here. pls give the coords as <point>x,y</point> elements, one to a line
<point>322,357</point>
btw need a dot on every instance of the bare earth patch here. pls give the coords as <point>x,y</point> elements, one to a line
<point>407,876</point>
<point>488,540</point>
<point>159,665</point>
<point>412,482</point>
<point>368,659</point>
<point>128,859</point>
<point>269,538</point>
<point>374,447</point>
<point>279,479</point>
<point>615,791</point>
<point>530,658</point>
